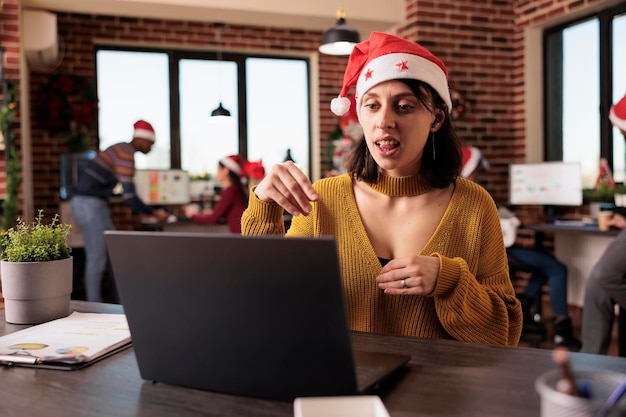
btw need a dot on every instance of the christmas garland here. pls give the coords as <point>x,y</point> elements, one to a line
<point>13,167</point>
<point>68,109</point>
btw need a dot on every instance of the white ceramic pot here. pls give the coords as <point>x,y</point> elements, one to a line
<point>36,292</point>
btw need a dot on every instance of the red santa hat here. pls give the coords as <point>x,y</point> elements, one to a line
<point>471,158</point>
<point>617,115</point>
<point>386,57</point>
<point>232,162</point>
<point>144,130</point>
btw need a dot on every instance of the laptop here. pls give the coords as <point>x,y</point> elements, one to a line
<point>260,316</point>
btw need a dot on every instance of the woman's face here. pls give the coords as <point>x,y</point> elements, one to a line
<point>396,126</point>
<point>222,174</point>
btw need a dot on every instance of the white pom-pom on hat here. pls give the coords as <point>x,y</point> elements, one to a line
<point>340,105</point>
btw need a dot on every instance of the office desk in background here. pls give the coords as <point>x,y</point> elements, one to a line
<point>444,378</point>
<point>578,247</point>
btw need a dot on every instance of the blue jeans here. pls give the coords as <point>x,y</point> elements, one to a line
<point>554,271</point>
<point>94,217</point>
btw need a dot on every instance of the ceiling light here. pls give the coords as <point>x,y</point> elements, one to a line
<point>220,112</point>
<point>341,38</point>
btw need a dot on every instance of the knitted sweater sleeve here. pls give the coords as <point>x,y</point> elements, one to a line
<point>261,218</point>
<point>474,297</point>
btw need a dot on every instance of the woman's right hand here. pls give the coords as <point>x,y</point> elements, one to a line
<point>287,186</point>
<point>617,220</point>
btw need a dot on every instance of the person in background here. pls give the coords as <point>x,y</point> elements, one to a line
<point>606,285</point>
<point>232,174</point>
<point>420,249</point>
<point>90,201</point>
<point>552,270</point>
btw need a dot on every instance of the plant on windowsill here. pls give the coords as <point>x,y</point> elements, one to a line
<point>605,187</point>
<point>603,193</point>
<point>36,270</point>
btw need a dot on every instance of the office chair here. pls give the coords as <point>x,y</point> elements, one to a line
<point>533,331</point>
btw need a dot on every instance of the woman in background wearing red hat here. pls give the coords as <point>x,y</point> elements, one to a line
<point>606,285</point>
<point>90,202</point>
<point>232,173</point>
<point>421,251</point>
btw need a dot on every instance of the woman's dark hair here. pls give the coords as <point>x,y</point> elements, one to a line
<point>236,180</point>
<point>437,173</point>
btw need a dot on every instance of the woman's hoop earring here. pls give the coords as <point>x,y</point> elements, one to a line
<point>432,138</point>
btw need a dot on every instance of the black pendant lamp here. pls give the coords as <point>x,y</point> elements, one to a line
<point>220,112</point>
<point>341,38</point>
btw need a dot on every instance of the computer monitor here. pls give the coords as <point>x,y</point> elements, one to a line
<point>546,183</point>
<point>162,187</point>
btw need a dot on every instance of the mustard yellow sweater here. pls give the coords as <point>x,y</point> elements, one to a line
<point>473,300</point>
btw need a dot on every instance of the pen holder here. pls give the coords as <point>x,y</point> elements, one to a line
<point>599,383</point>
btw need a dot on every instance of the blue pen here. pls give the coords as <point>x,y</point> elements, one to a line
<point>615,396</point>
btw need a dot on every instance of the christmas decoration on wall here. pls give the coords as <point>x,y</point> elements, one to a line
<point>460,105</point>
<point>68,108</point>
<point>344,139</point>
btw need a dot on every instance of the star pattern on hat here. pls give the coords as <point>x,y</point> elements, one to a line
<point>402,66</point>
<point>369,74</point>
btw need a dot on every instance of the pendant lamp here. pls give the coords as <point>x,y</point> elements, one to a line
<point>341,38</point>
<point>220,112</point>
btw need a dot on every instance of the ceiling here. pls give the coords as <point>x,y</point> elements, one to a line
<point>364,15</point>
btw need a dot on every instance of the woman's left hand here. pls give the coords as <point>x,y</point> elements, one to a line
<point>414,275</point>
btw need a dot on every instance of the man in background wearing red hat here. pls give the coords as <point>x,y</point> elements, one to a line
<point>90,202</point>
<point>606,285</point>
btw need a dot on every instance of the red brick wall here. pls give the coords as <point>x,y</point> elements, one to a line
<point>482,44</point>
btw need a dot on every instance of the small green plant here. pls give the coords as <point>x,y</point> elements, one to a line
<point>603,193</point>
<point>36,242</point>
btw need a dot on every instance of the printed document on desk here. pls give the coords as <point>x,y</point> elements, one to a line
<point>68,343</point>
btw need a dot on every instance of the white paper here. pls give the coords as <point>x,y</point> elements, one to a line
<point>340,406</point>
<point>79,337</point>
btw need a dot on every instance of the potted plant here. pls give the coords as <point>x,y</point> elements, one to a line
<point>36,271</point>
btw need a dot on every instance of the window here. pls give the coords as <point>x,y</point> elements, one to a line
<point>585,72</point>
<point>268,98</point>
<point>133,86</point>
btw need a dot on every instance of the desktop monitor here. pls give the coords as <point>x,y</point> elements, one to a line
<point>162,186</point>
<point>546,183</point>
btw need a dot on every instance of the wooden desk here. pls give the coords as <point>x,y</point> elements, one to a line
<point>579,248</point>
<point>444,378</point>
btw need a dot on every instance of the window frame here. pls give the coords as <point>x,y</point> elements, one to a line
<point>175,55</point>
<point>553,83</point>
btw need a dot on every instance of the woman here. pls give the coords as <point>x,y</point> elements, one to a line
<point>421,250</point>
<point>232,202</point>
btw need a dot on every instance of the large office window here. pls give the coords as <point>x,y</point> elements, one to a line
<point>133,86</point>
<point>585,72</point>
<point>268,98</point>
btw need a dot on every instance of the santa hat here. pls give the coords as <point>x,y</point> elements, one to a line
<point>617,115</point>
<point>386,57</point>
<point>232,162</point>
<point>471,158</point>
<point>144,130</point>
